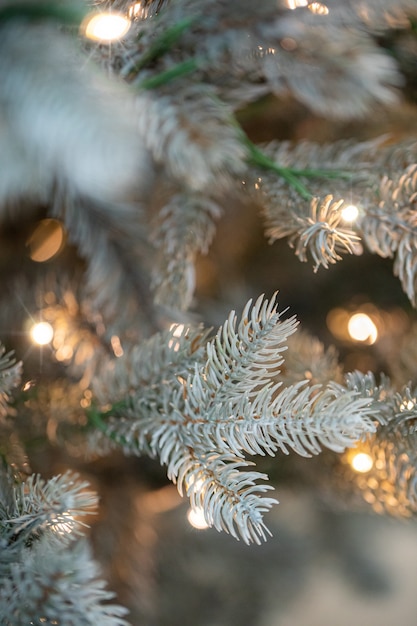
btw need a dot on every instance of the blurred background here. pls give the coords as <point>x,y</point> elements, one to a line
<point>331,561</point>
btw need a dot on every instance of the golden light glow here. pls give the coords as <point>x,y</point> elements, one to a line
<point>64,353</point>
<point>46,241</point>
<point>42,333</point>
<point>196,518</point>
<point>362,328</point>
<point>194,484</point>
<point>294,4</point>
<point>105,27</point>
<point>350,213</point>
<point>177,331</point>
<point>407,405</point>
<point>337,321</point>
<point>361,462</point>
<point>117,346</point>
<point>318,8</point>
<point>64,524</point>
<point>135,10</point>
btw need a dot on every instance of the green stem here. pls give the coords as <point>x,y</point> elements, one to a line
<point>257,157</point>
<point>162,45</point>
<point>313,173</point>
<point>95,418</point>
<point>181,69</point>
<point>290,174</point>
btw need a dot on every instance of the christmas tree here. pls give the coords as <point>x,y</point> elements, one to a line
<point>145,148</point>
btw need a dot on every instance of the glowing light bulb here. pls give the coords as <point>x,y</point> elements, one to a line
<point>196,518</point>
<point>361,462</point>
<point>105,27</point>
<point>42,333</point>
<point>362,328</point>
<point>350,213</point>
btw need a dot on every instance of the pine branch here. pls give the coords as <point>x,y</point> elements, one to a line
<point>42,577</point>
<point>389,485</point>
<point>54,505</point>
<point>316,228</point>
<point>320,234</point>
<point>10,375</point>
<point>173,73</point>
<point>380,396</point>
<point>307,359</point>
<point>192,134</point>
<point>140,386</point>
<point>57,586</point>
<point>230,498</point>
<point>161,44</point>
<point>154,362</point>
<point>290,52</point>
<point>111,237</point>
<point>384,15</point>
<point>390,229</point>
<point>228,402</point>
<point>185,226</point>
<point>60,118</point>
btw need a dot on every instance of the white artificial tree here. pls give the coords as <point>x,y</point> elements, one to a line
<point>134,146</point>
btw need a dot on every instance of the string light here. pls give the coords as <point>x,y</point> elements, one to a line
<point>350,213</point>
<point>105,27</point>
<point>362,328</point>
<point>197,519</point>
<point>361,462</point>
<point>42,333</point>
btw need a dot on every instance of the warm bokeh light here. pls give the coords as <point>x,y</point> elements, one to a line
<point>177,331</point>
<point>42,333</point>
<point>64,524</point>
<point>117,346</point>
<point>194,484</point>
<point>350,213</point>
<point>407,405</point>
<point>361,462</point>
<point>64,353</point>
<point>362,328</point>
<point>294,4</point>
<point>105,27</point>
<point>318,8</point>
<point>135,10</point>
<point>46,241</point>
<point>337,320</point>
<point>196,518</point>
